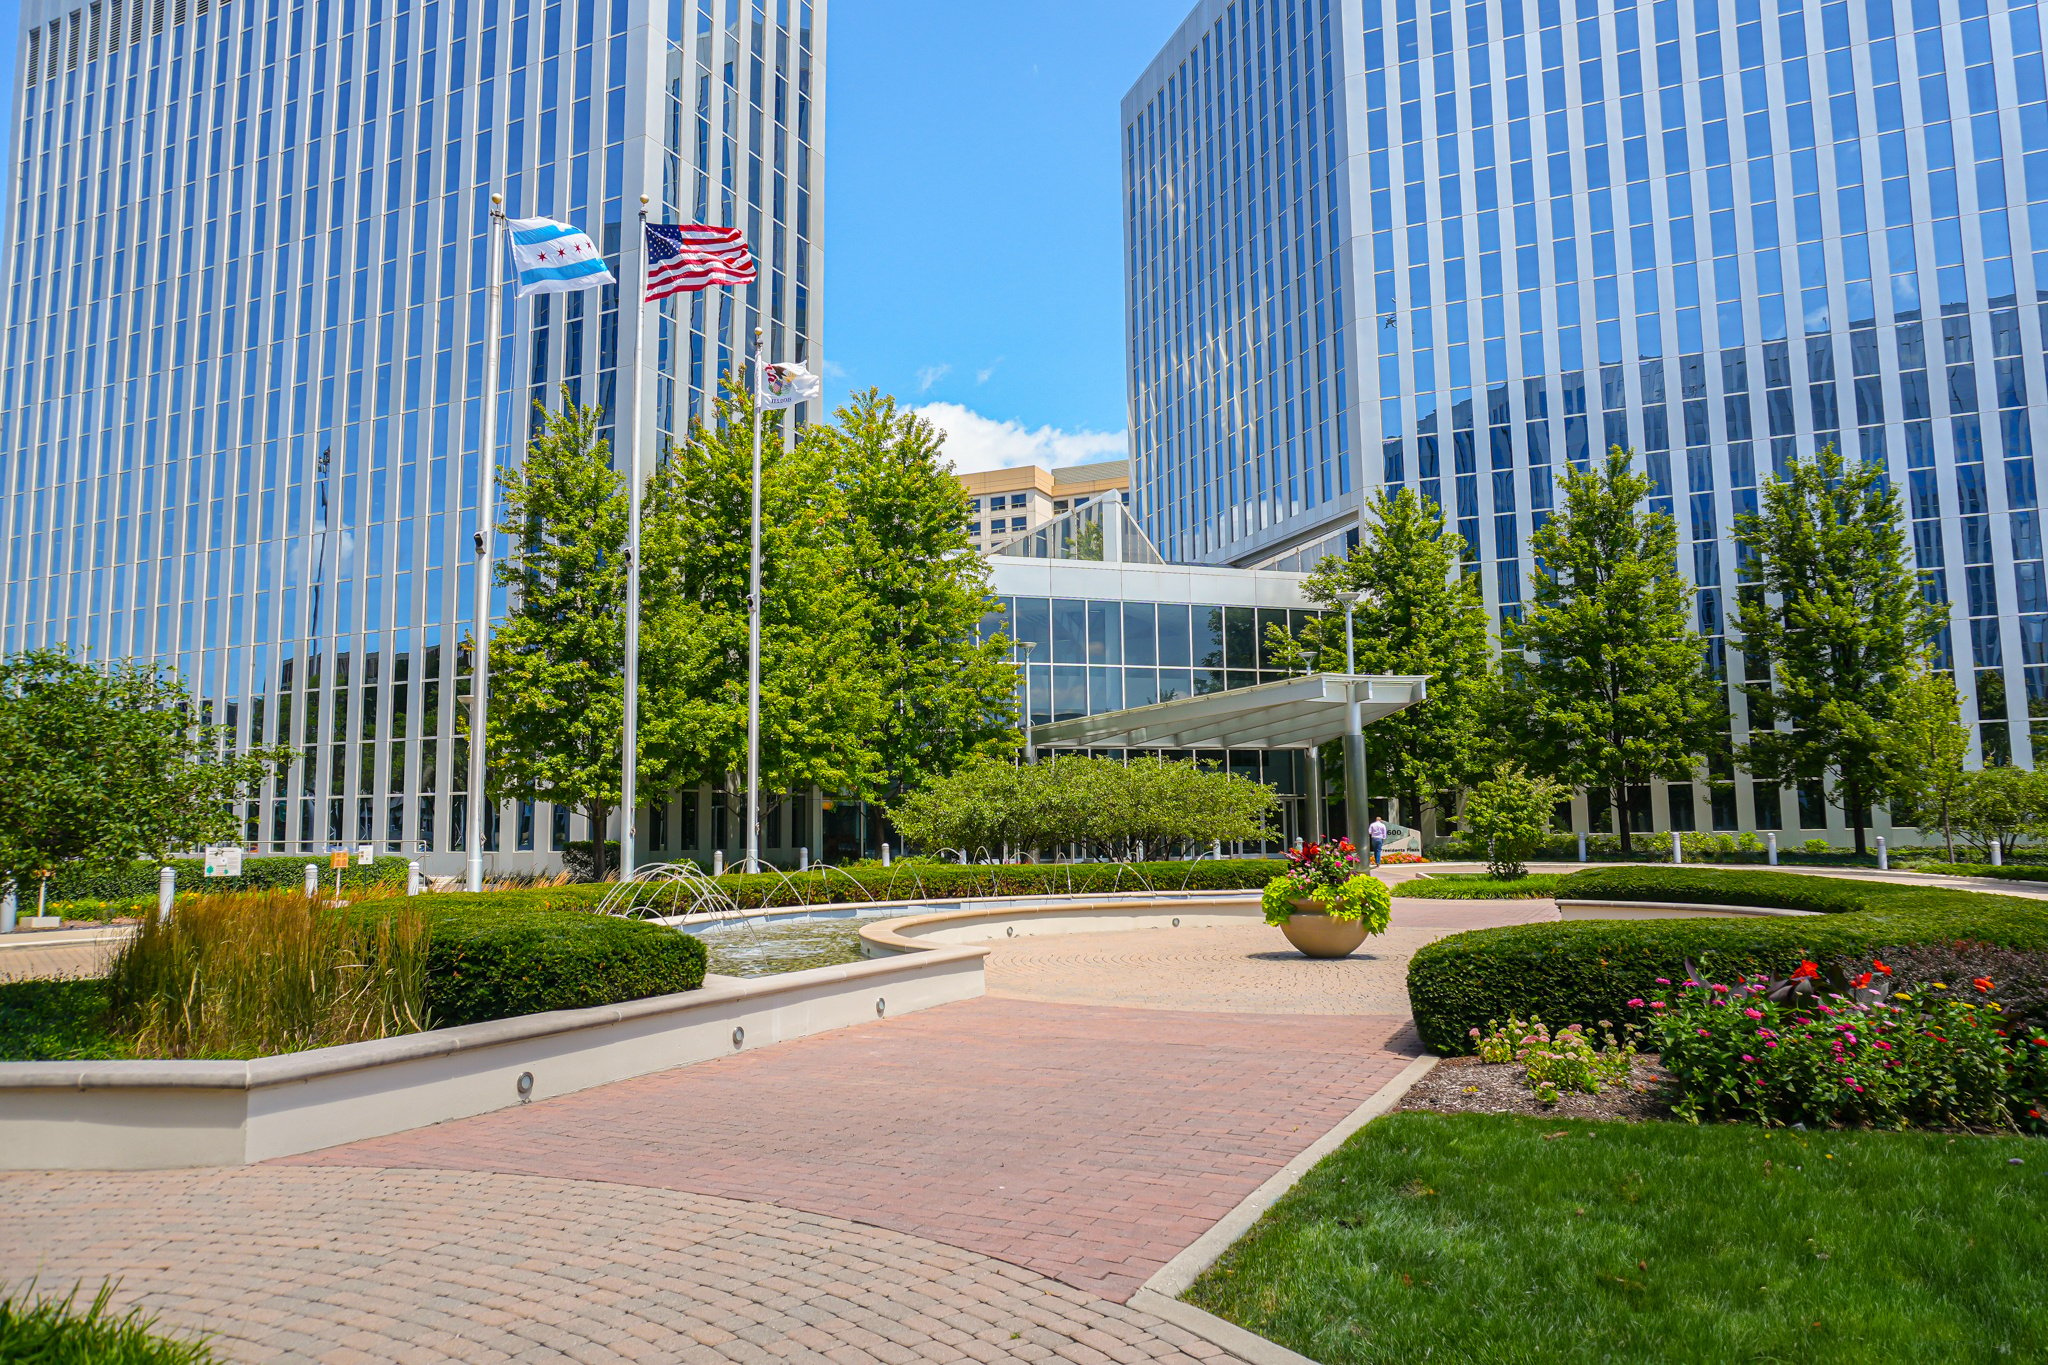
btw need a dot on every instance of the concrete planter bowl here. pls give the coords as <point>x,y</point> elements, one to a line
<point>1315,934</point>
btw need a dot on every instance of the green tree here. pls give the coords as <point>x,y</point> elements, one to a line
<point>1836,628</point>
<point>821,704</point>
<point>1925,746</point>
<point>1114,809</point>
<point>1511,811</point>
<point>948,694</point>
<point>1418,616</point>
<point>109,764</point>
<point>2000,807</point>
<point>1611,687</point>
<point>557,714</point>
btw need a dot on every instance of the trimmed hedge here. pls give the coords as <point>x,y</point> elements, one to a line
<point>919,880</point>
<point>505,954</point>
<point>1586,971</point>
<point>137,880</point>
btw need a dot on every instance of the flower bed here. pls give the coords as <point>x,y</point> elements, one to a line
<point>1851,1051</point>
<point>1591,969</point>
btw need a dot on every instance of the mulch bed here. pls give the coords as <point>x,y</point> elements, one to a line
<point>1466,1085</point>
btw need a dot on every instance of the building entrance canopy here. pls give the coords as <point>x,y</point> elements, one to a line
<point>1294,713</point>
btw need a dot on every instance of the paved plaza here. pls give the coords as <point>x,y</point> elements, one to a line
<point>989,1181</point>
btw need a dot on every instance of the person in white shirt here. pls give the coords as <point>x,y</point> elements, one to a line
<point>1376,839</point>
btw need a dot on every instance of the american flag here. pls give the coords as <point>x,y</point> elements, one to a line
<point>689,256</point>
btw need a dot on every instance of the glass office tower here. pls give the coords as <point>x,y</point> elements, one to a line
<point>1721,232</point>
<point>244,358</point>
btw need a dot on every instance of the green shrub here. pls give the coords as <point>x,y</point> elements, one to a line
<point>924,880</point>
<point>1852,1052</point>
<point>136,882</point>
<point>1588,970</point>
<point>498,956</point>
<point>53,1331</point>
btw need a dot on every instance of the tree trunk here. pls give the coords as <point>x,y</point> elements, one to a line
<point>1854,791</point>
<point>598,815</point>
<point>1621,822</point>
<point>1948,834</point>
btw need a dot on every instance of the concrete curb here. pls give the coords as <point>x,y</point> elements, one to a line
<point>1160,1295</point>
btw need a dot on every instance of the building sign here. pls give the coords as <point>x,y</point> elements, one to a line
<point>224,860</point>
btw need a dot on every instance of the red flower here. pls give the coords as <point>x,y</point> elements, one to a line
<point>1881,968</point>
<point>1983,984</point>
<point>1808,971</point>
<point>1860,982</point>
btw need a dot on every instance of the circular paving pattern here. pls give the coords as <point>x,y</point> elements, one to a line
<point>1246,968</point>
<point>356,1265</point>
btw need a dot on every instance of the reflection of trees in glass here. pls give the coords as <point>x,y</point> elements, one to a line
<point>1086,541</point>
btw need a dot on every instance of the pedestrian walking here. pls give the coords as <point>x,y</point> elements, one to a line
<point>1376,837</point>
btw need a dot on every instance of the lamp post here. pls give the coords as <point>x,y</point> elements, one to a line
<point>1030,749</point>
<point>1354,733</point>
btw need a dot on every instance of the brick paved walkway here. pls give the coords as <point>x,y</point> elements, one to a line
<point>1241,968</point>
<point>368,1267</point>
<point>1087,1144</point>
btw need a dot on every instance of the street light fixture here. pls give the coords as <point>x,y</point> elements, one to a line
<point>1024,668</point>
<point>1354,731</point>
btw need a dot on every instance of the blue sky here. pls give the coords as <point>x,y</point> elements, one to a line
<point>973,229</point>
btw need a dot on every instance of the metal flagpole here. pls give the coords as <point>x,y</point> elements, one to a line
<point>480,629</point>
<point>629,757</point>
<point>753,862</point>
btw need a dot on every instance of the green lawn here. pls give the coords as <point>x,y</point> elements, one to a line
<point>56,1021</point>
<point>1478,1238</point>
<point>1480,886</point>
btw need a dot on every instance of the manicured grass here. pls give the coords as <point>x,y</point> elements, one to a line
<point>1483,1238</point>
<point>57,1021</point>
<point>60,1331</point>
<point>1480,886</point>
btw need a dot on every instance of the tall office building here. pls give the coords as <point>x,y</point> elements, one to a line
<point>244,354</point>
<point>1480,242</point>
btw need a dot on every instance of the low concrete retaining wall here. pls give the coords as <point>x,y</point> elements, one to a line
<point>1671,910</point>
<point>153,1114</point>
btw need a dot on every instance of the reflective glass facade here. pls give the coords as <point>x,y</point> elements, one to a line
<point>242,390</point>
<point>1721,232</point>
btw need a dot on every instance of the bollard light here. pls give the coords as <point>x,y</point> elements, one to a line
<point>10,910</point>
<point>885,856</point>
<point>312,881</point>
<point>412,878</point>
<point>1884,857</point>
<point>166,893</point>
<point>803,860</point>
<point>1677,848</point>
<point>1998,853</point>
<point>1771,848</point>
<point>1582,846</point>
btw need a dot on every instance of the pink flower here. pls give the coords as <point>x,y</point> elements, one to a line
<point>1656,1004</point>
<point>1747,1058</point>
<point>1721,989</point>
<point>1662,982</point>
<point>1636,1003</point>
<point>1754,1014</point>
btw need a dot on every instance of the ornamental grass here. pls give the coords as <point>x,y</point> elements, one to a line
<point>257,973</point>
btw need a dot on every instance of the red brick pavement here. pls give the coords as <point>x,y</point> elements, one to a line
<point>1088,1144</point>
<point>355,1267</point>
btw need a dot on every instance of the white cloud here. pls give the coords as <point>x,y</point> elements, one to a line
<point>930,375</point>
<point>988,371</point>
<point>976,443</point>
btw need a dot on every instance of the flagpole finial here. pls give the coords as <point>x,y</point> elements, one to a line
<point>643,201</point>
<point>497,199</point>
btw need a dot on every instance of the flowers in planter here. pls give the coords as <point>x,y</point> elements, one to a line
<point>1330,876</point>
<point>1834,1048</point>
<point>1569,1059</point>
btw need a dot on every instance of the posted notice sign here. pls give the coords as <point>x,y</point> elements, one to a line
<point>224,860</point>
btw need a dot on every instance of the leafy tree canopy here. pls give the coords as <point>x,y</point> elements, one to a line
<point>947,694</point>
<point>108,764</point>
<point>1611,686</point>
<point>1418,616</point>
<point>1838,619</point>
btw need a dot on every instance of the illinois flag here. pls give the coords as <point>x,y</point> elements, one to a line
<point>785,386</point>
<point>554,258</point>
